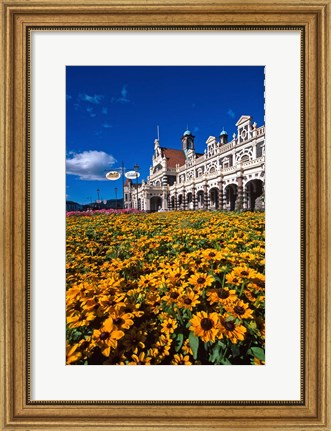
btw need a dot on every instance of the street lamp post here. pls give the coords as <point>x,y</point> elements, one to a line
<point>116,196</point>
<point>136,169</point>
<point>98,201</point>
<point>131,175</point>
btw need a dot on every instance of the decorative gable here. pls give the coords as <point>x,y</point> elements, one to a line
<point>211,140</point>
<point>243,119</point>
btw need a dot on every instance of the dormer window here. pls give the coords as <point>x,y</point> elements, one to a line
<point>225,163</point>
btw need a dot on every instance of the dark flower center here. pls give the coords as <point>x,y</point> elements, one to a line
<point>169,325</point>
<point>259,282</point>
<point>206,324</point>
<point>118,321</point>
<point>128,309</point>
<point>212,254</point>
<point>223,294</point>
<point>201,280</point>
<point>198,261</point>
<point>84,345</point>
<point>235,280</point>
<point>244,273</point>
<point>187,301</point>
<point>112,302</point>
<point>239,310</point>
<point>181,363</point>
<point>229,326</point>
<point>174,295</point>
<point>217,284</point>
<point>134,340</point>
<point>104,336</point>
<point>81,318</point>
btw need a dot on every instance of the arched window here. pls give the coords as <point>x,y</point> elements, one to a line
<point>244,158</point>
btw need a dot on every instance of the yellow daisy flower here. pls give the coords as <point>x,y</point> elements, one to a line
<point>232,331</point>
<point>180,359</point>
<point>206,326</point>
<point>106,337</point>
<point>200,280</point>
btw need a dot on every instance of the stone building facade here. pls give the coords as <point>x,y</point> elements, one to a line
<point>229,175</point>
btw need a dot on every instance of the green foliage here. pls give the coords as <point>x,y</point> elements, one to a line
<point>194,344</point>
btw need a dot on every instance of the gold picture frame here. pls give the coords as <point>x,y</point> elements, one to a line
<point>17,411</point>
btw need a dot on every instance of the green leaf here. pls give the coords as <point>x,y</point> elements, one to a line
<point>215,353</point>
<point>194,344</point>
<point>235,350</point>
<point>225,361</point>
<point>258,353</point>
<point>179,341</point>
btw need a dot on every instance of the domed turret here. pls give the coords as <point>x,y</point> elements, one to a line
<point>187,141</point>
<point>223,137</point>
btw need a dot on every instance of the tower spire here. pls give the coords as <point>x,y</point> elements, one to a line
<point>158,132</point>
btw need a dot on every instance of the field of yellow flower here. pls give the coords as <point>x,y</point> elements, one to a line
<point>175,288</point>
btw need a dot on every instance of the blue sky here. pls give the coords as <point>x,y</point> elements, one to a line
<point>112,113</point>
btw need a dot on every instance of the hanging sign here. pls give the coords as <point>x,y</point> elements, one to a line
<point>113,175</point>
<point>131,175</point>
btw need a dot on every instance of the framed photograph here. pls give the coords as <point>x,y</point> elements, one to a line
<point>165,199</point>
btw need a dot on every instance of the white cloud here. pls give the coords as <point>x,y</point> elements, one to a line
<point>124,96</point>
<point>90,165</point>
<point>107,126</point>
<point>231,113</point>
<point>96,99</point>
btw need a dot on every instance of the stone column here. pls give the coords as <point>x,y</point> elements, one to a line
<point>205,196</point>
<point>220,193</point>
<point>184,199</point>
<point>164,199</point>
<point>224,196</point>
<point>194,198</point>
<point>245,200</point>
<point>147,203</point>
<point>176,203</point>
<point>239,200</point>
<point>169,202</point>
